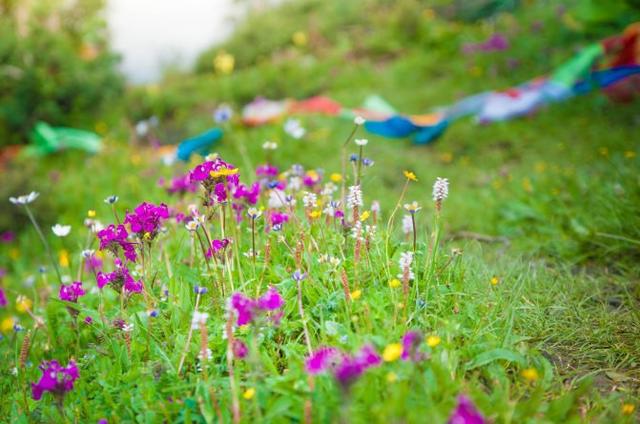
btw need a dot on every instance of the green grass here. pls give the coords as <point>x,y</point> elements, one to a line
<point>555,194</point>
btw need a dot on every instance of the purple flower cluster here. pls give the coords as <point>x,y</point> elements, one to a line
<point>217,246</point>
<point>240,350</point>
<point>119,278</point>
<point>92,263</point>
<point>410,344</point>
<point>146,218</point>
<point>114,239</point>
<point>277,219</point>
<point>345,368</point>
<point>182,184</point>
<point>72,292</point>
<point>55,379</point>
<point>249,310</point>
<point>3,298</point>
<point>250,195</point>
<point>206,172</point>
<point>267,171</point>
<point>7,237</point>
<point>495,43</point>
<point>465,413</point>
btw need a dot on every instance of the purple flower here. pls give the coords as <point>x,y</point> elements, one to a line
<point>248,310</point>
<point>321,360</point>
<point>465,413</point>
<point>118,279</point>
<point>410,344</point>
<point>217,246</point>
<point>267,171</point>
<point>72,292</point>
<point>55,379</point>
<point>3,298</point>
<point>182,184</point>
<point>249,195</point>
<point>146,218</point>
<point>114,239</point>
<point>7,237</point>
<point>220,193</point>
<point>240,349</point>
<point>346,369</point>
<point>497,42</point>
<point>92,263</point>
<point>214,171</point>
<point>88,320</point>
<point>278,218</point>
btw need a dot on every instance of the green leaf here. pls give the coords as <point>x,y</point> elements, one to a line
<point>495,355</point>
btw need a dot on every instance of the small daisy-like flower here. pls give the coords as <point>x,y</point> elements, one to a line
<point>199,319</point>
<point>335,177</point>
<point>61,230</point>
<point>412,207</point>
<point>440,189</point>
<point>192,225</point>
<point>270,145</point>
<point>361,141</point>
<point>495,281</point>
<point>394,283</point>
<point>392,352</point>
<point>356,294</point>
<point>128,328</point>
<point>111,199</point>
<point>410,176</point>
<point>359,120</point>
<point>24,199</point>
<point>254,213</point>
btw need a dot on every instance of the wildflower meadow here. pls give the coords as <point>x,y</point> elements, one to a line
<point>307,269</point>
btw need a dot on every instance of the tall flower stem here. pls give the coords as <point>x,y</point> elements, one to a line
<point>359,170</point>
<point>344,164</point>
<point>390,224</point>
<point>235,403</point>
<point>44,242</point>
<point>413,225</point>
<point>189,335</point>
<point>304,320</point>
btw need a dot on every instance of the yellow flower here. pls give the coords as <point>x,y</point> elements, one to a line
<point>356,294</point>
<point>530,374</point>
<point>410,176</point>
<point>299,38</point>
<point>14,253</point>
<point>629,154</point>
<point>315,214</point>
<point>392,377</point>
<point>628,408</point>
<point>147,235</point>
<point>433,341</point>
<point>63,257</point>
<point>392,352</point>
<point>335,177</point>
<point>91,213</point>
<point>395,283</point>
<point>224,63</point>
<point>224,172</point>
<point>364,216</point>
<point>7,324</point>
<point>495,281</point>
<point>249,393</point>
<point>23,304</point>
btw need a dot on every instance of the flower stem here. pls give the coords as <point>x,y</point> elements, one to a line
<point>44,241</point>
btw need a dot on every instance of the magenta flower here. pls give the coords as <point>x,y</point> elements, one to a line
<point>72,292</point>
<point>240,350</point>
<point>410,344</point>
<point>277,219</point>
<point>267,171</point>
<point>181,185</point>
<point>249,195</point>
<point>7,237</point>
<point>216,170</point>
<point>92,263</point>
<point>346,369</point>
<point>465,413</point>
<point>118,279</point>
<point>3,298</point>
<point>55,379</point>
<point>217,246</point>
<point>146,218</point>
<point>249,310</point>
<point>114,239</point>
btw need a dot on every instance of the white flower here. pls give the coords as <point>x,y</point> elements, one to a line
<point>25,199</point>
<point>276,199</point>
<point>406,258</point>
<point>127,328</point>
<point>354,198</point>
<point>440,189</point>
<point>207,357</point>
<point>295,183</point>
<point>407,224</point>
<point>358,120</point>
<point>270,145</point>
<point>356,231</point>
<point>329,189</point>
<point>199,318</point>
<point>142,128</point>
<point>412,207</point>
<point>375,206</point>
<point>361,141</point>
<point>294,128</point>
<point>309,200</point>
<point>331,207</point>
<point>61,230</point>
<point>87,253</point>
<point>111,199</point>
<point>254,213</point>
<point>370,230</point>
<point>192,225</point>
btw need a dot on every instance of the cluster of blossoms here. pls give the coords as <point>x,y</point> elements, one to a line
<point>71,292</point>
<point>354,198</point>
<point>406,259</point>
<point>250,310</point>
<point>344,367</point>
<point>217,246</point>
<point>118,279</point>
<point>181,185</point>
<point>115,239</point>
<point>55,379</point>
<point>146,219</point>
<point>3,298</point>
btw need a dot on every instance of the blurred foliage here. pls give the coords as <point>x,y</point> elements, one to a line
<point>55,65</point>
